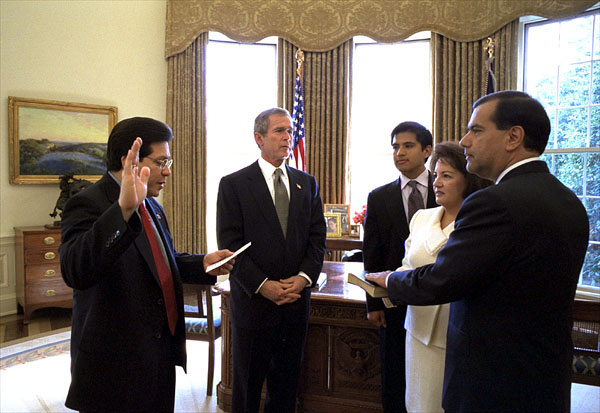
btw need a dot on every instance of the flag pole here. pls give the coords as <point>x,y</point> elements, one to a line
<point>299,62</point>
<point>298,114</point>
<point>490,79</point>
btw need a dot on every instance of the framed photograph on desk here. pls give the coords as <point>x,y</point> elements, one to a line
<point>344,211</point>
<point>333,224</point>
<point>355,230</point>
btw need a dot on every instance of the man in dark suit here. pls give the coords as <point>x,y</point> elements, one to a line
<point>510,269</point>
<point>386,229</point>
<point>279,210</point>
<point>117,254</point>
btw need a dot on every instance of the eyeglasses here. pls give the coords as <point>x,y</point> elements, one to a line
<point>165,163</point>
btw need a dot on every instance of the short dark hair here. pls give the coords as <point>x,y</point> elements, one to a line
<point>516,108</point>
<point>261,123</point>
<point>423,135</point>
<point>124,133</point>
<point>453,154</point>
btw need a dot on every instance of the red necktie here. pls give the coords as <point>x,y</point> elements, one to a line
<point>164,274</point>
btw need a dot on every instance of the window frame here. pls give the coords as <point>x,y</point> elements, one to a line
<point>583,291</point>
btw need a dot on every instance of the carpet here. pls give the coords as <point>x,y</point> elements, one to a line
<point>35,377</point>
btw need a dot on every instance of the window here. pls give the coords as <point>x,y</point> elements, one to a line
<point>241,81</point>
<point>562,70</point>
<point>391,84</point>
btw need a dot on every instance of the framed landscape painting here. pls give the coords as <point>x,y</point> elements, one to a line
<point>49,138</point>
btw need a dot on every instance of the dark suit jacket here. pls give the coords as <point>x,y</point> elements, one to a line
<point>510,269</point>
<point>119,317</point>
<point>386,230</point>
<point>245,212</point>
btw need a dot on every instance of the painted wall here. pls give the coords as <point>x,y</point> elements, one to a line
<point>96,52</point>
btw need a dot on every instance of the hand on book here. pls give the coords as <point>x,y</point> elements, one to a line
<point>378,277</point>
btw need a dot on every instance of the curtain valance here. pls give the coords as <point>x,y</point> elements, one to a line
<point>320,25</point>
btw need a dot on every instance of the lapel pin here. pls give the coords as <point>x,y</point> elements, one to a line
<point>298,186</point>
<point>158,216</point>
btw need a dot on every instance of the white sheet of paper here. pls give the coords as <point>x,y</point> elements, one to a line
<point>223,261</point>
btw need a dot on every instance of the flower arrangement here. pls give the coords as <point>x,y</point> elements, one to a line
<point>359,216</point>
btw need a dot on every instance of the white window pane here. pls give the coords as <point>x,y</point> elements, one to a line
<point>391,84</point>
<point>576,39</point>
<point>568,89</point>
<point>241,81</point>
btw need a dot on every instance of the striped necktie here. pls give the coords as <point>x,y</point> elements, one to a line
<point>282,201</point>
<point>415,200</point>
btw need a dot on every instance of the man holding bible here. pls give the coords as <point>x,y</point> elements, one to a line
<point>509,269</point>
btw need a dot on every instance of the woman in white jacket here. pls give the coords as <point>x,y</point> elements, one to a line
<point>426,326</point>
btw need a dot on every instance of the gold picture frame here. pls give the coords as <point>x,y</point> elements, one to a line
<point>50,138</point>
<point>355,230</point>
<point>333,225</point>
<point>344,211</point>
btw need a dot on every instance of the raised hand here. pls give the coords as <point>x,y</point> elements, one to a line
<point>134,183</point>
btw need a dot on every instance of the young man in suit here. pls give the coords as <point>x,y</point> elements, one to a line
<point>279,210</point>
<point>117,254</point>
<point>386,229</point>
<point>509,269</point>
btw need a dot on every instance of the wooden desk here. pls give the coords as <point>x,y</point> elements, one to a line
<point>335,246</point>
<point>343,244</point>
<point>341,367</point>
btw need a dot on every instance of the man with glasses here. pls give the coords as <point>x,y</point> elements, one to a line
<point>117,254</point>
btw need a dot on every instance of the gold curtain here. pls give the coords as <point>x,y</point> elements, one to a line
<point>183,197</point>
<point>326,112</point>
<point>320,25</point>
<point>459,75</point>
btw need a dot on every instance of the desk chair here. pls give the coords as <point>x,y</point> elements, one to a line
<point>201,323</point>
<point>586,342</point>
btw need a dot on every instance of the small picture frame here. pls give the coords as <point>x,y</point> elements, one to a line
<point>333,225</point>
<point>344,211</point>
<point>49,138</point>
<point>355,230</point>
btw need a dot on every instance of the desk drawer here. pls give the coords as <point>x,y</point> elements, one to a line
<point>42,256</point>
<point>48,292</point>
<point>44,272</point>
<point>37,241</point>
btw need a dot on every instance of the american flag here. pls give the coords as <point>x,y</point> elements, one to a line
<point>490,81</point>
<point>298,123</point>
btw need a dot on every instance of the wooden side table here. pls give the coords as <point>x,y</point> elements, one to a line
<point>39,281</point>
